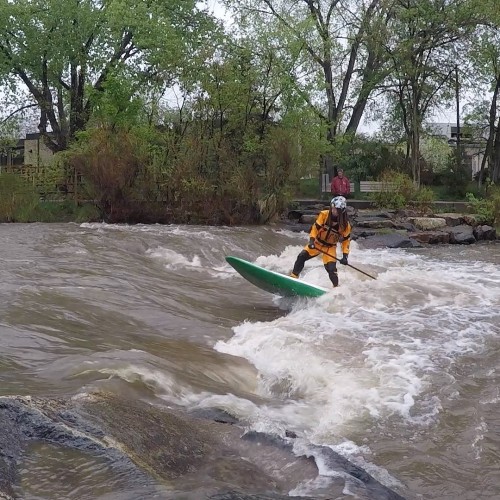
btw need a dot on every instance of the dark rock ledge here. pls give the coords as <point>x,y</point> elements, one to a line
<point>202,454</point>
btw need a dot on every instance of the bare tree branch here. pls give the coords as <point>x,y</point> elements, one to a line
<point>18,110</point>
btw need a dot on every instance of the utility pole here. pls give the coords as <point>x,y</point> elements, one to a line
<point>457,96</point>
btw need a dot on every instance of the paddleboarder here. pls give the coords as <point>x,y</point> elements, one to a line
<point>331,227</point>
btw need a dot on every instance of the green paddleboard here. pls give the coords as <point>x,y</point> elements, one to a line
<point>274,282</point>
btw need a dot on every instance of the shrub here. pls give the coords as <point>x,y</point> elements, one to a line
<point>397,190</point>
<point>488,209</point>
<point>87,213</point>
<point>423,199</point>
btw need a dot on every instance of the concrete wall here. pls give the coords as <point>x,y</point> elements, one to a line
<point>36,153</point>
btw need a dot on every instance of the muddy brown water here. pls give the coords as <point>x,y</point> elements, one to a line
<point>398,374</point>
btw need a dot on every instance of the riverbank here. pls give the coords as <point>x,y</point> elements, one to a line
<point>400,228</point>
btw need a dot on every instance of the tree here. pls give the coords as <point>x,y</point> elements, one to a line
<point>339,44</point>
<point>420,48</point>
<point>239,105</point>
<point>485,58</point>
<point>63,51</point>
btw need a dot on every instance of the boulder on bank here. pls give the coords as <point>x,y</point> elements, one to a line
<point>462,235</point>
<point>453,219</point>
<point>485,233</point>
<point>431,237</point>
<point>428,223</point>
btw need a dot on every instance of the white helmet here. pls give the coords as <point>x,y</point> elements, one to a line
<point>339,202</point>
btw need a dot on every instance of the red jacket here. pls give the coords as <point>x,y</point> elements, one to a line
<point>340,186</point>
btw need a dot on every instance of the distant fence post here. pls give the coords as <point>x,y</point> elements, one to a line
<point>325,183</point>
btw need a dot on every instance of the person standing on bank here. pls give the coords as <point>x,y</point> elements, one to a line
<point>331,227</point>
<point>340,185</point>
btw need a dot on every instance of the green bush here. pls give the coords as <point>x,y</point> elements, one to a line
<point>423,199</point>
<point>307,188</point>
<point>488,209</point>
<point>449,193</point>
<point>19,202</point>
<point>399,191</point>
<point>87,213</point>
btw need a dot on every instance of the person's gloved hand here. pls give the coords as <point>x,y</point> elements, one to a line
<point>311,244</point>
<point>343,260</point>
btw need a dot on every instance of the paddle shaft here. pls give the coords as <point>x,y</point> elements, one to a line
<point>333,257</point>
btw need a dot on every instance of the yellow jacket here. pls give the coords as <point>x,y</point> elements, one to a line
<point>328,234</point>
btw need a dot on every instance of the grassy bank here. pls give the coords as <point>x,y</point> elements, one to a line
<point>52,211</point>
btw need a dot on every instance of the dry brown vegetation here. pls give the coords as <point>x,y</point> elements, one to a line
<point>165,176</point>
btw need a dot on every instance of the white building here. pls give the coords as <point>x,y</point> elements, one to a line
<point>472,141</point>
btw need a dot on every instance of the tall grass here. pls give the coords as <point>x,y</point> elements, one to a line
<point>17,198</point>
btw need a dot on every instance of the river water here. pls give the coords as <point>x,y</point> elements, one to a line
<point>399,374</point>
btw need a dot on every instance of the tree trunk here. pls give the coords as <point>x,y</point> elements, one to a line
<point>493,139</point>
<point>495,156</point>
<point>366,88</point>
<point>480,178</point>
<point>415,138</point>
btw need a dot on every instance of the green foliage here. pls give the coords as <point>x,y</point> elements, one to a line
<point>235,171</point>
<point>488,209</point>
<point>423,199</point>
<point>73,50</point>
<point>312,44</point>
<point>19,202</point>
<point>58,211</point>
<point>421,53</point>
<point>307,188</point>
<point>448,193</point>
<point>365,158</point>
<point>87,212</point>
<point>456,177</point>
<point>436,152</point>
<point>399,191</point>
<point>116,104</point>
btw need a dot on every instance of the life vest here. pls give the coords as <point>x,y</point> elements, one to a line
<point>326,230</point>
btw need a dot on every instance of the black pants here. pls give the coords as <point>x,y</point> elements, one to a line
<point>331,267</point>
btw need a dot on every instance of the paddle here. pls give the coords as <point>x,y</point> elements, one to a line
<point>350,265</point>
